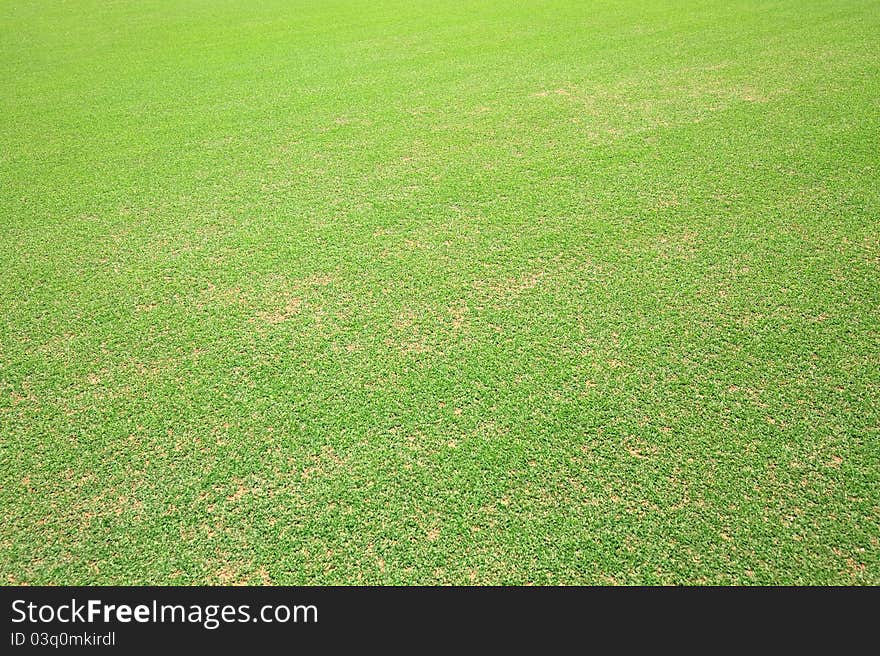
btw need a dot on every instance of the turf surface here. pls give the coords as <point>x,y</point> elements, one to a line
<point>440,292</point>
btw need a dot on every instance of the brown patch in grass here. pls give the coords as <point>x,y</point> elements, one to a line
<point>226,575</point>
<point>290,310</point>
<point>416,345</point>
<point>547,92</point>
<point>240,491</point>
<point>640,449</point>
<point>404,320</point>
<point>323,464</point>
<point>318,280</point>
<point>410,338</point>
<point>682,245</point>
<point>668,201</point>
<point>265,579</point>
<point>510,287</point>
<point>227,296</point>
<point>854,567</point>
<point>19,398</point>
<point>458,312</point>
<point>750,94</point>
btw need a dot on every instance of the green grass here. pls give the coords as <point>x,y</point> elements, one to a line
<point>394,292</point>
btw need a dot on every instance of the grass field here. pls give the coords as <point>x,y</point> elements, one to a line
<point>440,292</point>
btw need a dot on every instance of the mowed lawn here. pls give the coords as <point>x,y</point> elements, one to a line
<point>394,292</point>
